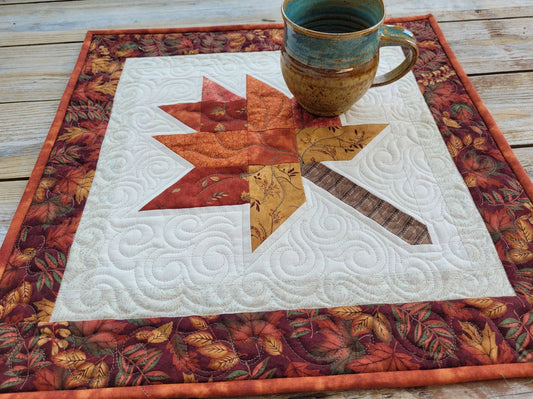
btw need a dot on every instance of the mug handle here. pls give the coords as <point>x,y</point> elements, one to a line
<point>397,36</point>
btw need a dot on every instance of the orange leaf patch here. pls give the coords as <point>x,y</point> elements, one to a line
<point>383,358</point>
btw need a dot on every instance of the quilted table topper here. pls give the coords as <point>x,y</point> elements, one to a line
<point>189,230</point>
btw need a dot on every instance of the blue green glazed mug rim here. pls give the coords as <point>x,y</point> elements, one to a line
<point>329,35</point>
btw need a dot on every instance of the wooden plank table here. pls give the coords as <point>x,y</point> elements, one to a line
<point>40,41</point>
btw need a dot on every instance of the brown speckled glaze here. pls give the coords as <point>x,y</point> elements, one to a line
<point>330,68</point>
<point>327,92</point>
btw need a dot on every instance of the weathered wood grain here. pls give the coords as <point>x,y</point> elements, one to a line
<point>459,10</point>
<point>36,73</point>
<point>68,21</point>
<point>10,194</point>
<point>509,99</point>
<point>24,1</point>
<point>63,21</point>
<point>492,46</point>
<point>525,156</point>
<point>23,128</point>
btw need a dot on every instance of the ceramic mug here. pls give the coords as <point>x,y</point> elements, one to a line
<point>330,51</point>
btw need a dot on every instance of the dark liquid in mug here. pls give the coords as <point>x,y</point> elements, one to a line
<point>336,19</point>
<point>337,25</point>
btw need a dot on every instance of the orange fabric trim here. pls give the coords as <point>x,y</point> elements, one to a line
<point>35,176</point>
<point>397,20</point>
<point>493,128</point>
<point>215,28</point>
<point>391,379</point>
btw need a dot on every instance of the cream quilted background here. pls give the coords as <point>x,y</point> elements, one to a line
<point>130,264</point>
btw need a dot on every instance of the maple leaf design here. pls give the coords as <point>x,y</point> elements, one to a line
<point>384,358</point>
<point>257,149</point>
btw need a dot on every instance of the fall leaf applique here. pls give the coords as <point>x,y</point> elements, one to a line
<point>257,149</point>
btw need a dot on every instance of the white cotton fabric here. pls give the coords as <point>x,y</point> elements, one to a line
<point>129,264</point>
